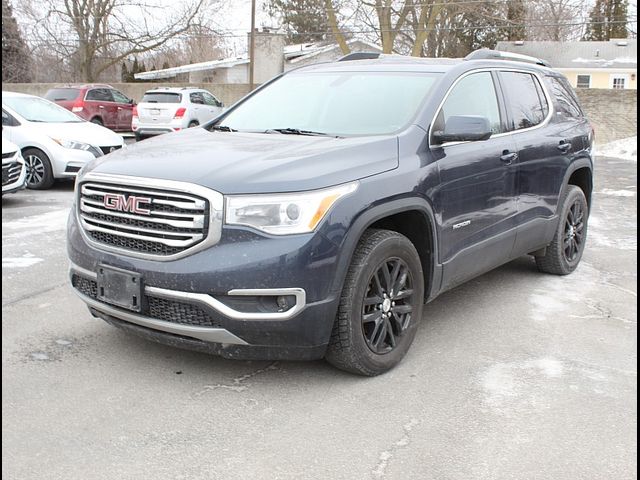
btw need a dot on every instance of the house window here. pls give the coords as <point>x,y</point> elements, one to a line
<point>619,82</point>
<point>584,81</point>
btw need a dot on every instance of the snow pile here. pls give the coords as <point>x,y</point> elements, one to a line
<point>626,149</point>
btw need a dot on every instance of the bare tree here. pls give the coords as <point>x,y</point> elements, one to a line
<point>562,19</point>
<point>97,35</point>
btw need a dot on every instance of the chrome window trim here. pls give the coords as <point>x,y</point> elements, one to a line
<point>216,209</point>
<point>208,301</point>
<point>498,135</point>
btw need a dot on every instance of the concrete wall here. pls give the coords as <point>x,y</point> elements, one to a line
<point>227,93</point>
<point>602,78</point>
<point>613,113</point>
<point>269,55</point>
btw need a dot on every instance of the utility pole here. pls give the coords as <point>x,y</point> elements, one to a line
<point>252,44</point>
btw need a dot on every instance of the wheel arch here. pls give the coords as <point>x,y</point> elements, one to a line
<point>580,174</point>
<point>411,217</point>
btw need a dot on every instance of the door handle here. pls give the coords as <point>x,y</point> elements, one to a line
<point>100,106</point>
<point>508,157</point>
<point>564,146</point>
<point>119,108</point>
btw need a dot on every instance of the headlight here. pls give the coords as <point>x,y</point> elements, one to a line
<point>284,214</point>
<point>72,144</point>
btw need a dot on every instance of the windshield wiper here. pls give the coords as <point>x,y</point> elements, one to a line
<point>297,131</point>
<point>223,128</point>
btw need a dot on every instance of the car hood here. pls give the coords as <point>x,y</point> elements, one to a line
<point>86,132</point>
<point>235,162</point>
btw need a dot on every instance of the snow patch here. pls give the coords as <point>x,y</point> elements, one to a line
<point>617,193</point>
<point>625,149</point>
<point>20,262</point>
<point>44,223</point>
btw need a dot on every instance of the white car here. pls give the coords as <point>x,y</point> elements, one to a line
<point>54,142</point>
<point>164,110</point>
<point>14,173</point>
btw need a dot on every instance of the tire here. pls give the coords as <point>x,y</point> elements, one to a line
<point>363,340</point>
<point>138,137</point>
<point>563,254</point>
<point>193,123</point>
<point>97,121</point>
<point>39,171</point>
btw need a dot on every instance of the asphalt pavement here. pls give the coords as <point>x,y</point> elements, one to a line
<point>514,375</point>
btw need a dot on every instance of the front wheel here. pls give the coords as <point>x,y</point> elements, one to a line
<point>39,171</point>
<point>563,254</point>
<point>380,306</point>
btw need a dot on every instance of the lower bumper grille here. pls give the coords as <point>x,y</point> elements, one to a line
<point>156,307</point>
<point>11,172</point>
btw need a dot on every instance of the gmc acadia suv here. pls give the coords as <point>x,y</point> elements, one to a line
<point>317,215</point>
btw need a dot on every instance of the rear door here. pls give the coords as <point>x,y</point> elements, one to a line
<point>546,143</point>
<point>99,102</point>
<point>124,108</point>
<point>476,199</point>
<point>158,108</point>
<point>198,110</point>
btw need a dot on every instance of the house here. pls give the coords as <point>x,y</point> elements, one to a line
<point>612,64</point>
<point>272,58</point>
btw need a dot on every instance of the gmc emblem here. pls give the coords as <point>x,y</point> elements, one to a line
<point>131,204</point>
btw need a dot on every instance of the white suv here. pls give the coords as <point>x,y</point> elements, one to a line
<point>14,173</point>
<point>164,110</point>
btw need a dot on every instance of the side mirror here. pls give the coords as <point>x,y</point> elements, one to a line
<point>464,128</point>
<point>132,101</point>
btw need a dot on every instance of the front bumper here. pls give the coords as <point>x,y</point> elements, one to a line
<point>17,184</point>
<point>205,301</point>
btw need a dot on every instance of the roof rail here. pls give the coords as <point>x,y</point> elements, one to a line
<point>487,54</point>
<point>359,56</point>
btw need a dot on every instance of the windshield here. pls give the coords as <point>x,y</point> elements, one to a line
<point>161,97</point>
<point>36,109</point>
<point>336,103</point>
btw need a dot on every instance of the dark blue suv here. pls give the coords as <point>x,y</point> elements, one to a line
<point>316,216</point>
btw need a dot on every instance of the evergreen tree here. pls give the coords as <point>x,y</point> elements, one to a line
<point>303,20</point>
<point>16,59</point>
<point>607,20</point>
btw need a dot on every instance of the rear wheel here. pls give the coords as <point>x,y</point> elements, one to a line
<point>97,121</point>
<point>380,307</point>
<point>39,171</point>
<point>193,123</point>
<point>563,254</point>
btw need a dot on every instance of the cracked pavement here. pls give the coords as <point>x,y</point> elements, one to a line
<point>514,375</point>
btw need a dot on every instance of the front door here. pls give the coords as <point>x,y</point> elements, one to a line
<point>476,200</point>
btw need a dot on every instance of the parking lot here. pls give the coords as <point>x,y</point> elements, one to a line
<point>515,375</point>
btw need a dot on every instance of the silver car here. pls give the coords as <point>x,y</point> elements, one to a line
<point>14,173</point>
<point>170,109</point>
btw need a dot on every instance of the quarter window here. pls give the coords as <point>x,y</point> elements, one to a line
<point>566,103</point>
<point>583,81</point>
<point>527,102</point>
<point>473,95</point>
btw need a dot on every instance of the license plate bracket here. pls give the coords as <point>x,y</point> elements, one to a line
<point>120,287</point>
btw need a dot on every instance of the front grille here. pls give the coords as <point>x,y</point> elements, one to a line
<point>143,220</point>
<point>10,172</point>
<point>8,155</point>
<point>156,307</point>
<point>106,150</point>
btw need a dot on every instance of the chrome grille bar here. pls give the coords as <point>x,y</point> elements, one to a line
<point>164,219</point>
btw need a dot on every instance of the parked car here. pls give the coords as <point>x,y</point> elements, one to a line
<point>317,216</point>
<point>164,110</point>
<point>101,104</point>
<point>54,142</point>
<point>14,173</point>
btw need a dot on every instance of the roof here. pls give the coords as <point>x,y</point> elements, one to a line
<point>611,54</point>
<point>193,67</point>
<point>292,53</point>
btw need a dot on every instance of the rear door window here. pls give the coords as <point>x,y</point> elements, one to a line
<point>161,97</point>
<point>527,102</point>
<point>210,99</point>
<point>62,94</point>
<point>196,98</point>
<point>99,95</point>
